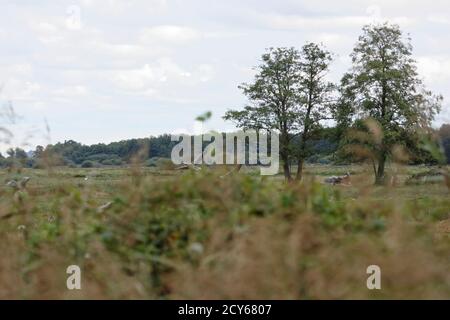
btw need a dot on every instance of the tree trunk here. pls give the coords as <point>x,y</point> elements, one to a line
<point>380,176</point>
<point>299,169</point>
<point>286,168</point>
<point>301,155</point>
<point>284,153</point>
<point>302,150</point>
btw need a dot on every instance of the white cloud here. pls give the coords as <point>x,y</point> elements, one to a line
<point>331,39</point>
<point>46,32</point>
<point>439,19</point>
<point>299,22</point>
<point>118,7</point>
<point>71,91</point>
<point>145,78</point>
<point>21,69</point>
<point>434,69</point>
<point>169,34</point>
<point>151,78</point>
<point>205,72</point>
<point>386,6</point>
<point>17,82</point>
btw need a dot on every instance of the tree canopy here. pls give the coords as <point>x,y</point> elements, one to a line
<point>288,94</point>
<point>383,84</point>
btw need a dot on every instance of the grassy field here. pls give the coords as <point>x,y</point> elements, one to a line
<point>162,234</point>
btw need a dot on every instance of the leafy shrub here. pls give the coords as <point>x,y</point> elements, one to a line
<point>162,163</point>
<point>320,159</point>
<point>152,162</point>
<point>88,164</point>
<point>107,162</point>
<point>116,162</point>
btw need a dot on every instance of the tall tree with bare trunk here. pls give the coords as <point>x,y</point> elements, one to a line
<point>383,84</point>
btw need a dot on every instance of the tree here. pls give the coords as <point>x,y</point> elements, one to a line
<point>314,96</point>
<point>10,152</point>
<point>38,152</point>
<point>20,154</point>
<point>383,84</point>
<point>274,97</point>
<point>289,94</point>
<point>87,164</point>
<point>444,135</point>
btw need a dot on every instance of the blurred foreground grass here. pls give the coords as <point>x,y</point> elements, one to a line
<point>162,234</point>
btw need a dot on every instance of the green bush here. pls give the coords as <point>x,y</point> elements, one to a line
<point>152,162</point>
<point>107,162</point>
<point>162,163</point>
<point>88,164</point>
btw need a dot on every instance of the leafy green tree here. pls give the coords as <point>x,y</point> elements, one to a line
<point>315,97</point>
<point>20,154</point>
<point>383,84</point>
<point>274,98</point>
<point>38,152</point>
<point>289,94</point>
<point>11,153</point>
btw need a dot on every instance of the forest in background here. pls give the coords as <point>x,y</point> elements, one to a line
<point>325,149</point>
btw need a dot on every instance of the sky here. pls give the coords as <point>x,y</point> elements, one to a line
<point>106,70</point>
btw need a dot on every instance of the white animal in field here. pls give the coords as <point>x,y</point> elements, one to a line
<point>104,207</point>
<point>18,185</point>
<point>343,180</point>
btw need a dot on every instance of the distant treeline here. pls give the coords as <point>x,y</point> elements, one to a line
<point>154,151</point>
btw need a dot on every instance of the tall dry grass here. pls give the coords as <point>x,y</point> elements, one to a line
<point>197,235</point>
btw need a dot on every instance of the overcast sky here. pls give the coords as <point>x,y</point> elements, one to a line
<point>105,70</point>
